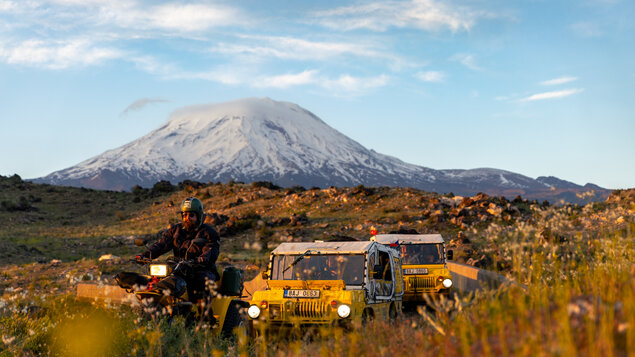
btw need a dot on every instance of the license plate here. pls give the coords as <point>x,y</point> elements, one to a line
<point>302,293</point>
<point>415,271</point>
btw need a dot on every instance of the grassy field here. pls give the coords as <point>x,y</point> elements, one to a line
<point>575,264</point>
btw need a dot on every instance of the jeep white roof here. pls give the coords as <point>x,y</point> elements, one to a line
<point>409,238</point>
<point>324,247</point>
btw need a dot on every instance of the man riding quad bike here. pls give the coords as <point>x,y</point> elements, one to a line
<point>186,279</point>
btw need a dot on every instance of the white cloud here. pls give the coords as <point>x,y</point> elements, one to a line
<point>44,34</point>
<point>220,76</point>
<point>153,66</point>
<point>186,17</point>
<point>230,75</point>
<point>431,76</point>
<point>287,80</point>
<point>79,2</point>
<point>343,84</point>
<point>467,60</point>
<point>52,26</point>
<point>57,54</point>
<point>238,75</point>
<point>430,15</point>
<point>255,48</point>
<point>7,5</point>
<point>141,103</point>
<point>169,71</point>
<point>552,95</point>
<point>295,48</point>
<point>557,81</point>
<point>119,16</point>
<point>355,85</point>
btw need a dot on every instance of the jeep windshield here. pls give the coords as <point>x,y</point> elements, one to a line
<point>419,254</point>
<point>347,267</point>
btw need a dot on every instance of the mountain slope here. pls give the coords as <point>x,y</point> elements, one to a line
<point>259,139</point>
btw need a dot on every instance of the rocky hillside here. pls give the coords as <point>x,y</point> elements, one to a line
<point>45,219</point>
<point>64,224</point>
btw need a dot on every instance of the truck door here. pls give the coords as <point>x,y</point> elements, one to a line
<point>372,259</point>
<point>398,275</point>
<point>384,284</point>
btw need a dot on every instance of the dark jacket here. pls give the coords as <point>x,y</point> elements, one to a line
<point>202,244</point>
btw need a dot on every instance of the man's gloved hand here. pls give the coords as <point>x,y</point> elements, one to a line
<point>140,259</point>
<point>194,262</point>
<point>184,268</point>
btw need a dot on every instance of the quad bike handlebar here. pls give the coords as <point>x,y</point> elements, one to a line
<point>141,261</point>
<point>172,261</point>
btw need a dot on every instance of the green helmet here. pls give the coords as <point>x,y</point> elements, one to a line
<point>193,204</point>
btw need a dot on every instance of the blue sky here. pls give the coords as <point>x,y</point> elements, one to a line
<point>535,87</point>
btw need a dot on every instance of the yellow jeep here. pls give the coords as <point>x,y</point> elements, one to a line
<point>424,260</point>
<point>328,283</point>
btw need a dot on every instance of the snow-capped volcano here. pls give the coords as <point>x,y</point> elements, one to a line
<point>245,140</point>
<point>259,139</point>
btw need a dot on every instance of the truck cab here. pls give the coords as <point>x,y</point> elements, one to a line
<point>424,262</point>
<point>328,283</point>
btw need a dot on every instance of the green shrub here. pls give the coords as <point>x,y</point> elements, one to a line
<point>162,187</point>
<point>294,189</point>
<point>22,205</point>
<point>361,189</point>
<point>265,184</point>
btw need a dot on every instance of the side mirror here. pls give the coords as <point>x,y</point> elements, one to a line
<point>264,275</point>
<point>450,255</point>
<point>377,271</point>
<point>139,242</point>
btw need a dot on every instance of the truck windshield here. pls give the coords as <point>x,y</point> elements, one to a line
<point>414,254</point>
<point>349,268</point>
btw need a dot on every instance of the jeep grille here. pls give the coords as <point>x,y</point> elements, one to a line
<point>309,309</point>
<point>275,311</point>
<point>422,283</point>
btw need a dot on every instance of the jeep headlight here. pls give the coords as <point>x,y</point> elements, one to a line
<point>447,283</point>
<point>253,311</point>
<point>343,311</point>
<point>158,270</point>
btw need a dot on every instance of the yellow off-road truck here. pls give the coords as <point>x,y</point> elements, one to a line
<point>328,283</point>
<point>424,261</point>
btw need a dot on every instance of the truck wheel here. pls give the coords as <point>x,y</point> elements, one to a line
<point>392,312</point>
<point>367,315</point>
<point>248,324</point>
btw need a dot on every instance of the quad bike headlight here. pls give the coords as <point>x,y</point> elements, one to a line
<point>447,283</point>
<point>343,311</point>
<point>158,270</point>
<point>253,311</point>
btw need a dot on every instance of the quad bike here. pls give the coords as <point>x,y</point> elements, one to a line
<point>163,291</point>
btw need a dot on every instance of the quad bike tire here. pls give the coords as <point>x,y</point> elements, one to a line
<point>233,319</point>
